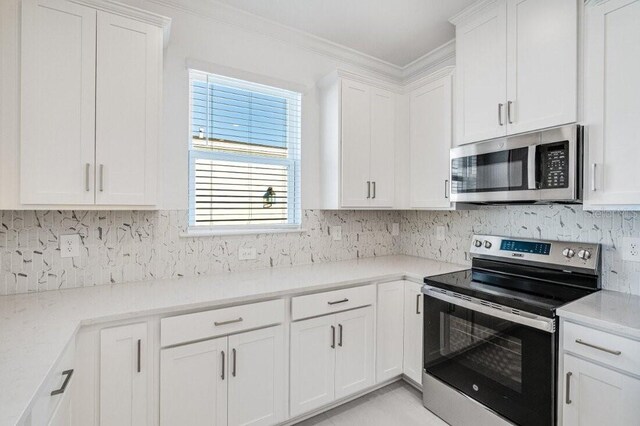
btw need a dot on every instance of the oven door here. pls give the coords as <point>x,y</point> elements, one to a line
<point>506,365</point>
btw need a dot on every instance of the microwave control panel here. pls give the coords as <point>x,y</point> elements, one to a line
<point>553,160</point>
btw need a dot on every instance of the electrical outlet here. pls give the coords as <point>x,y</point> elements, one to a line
<point>336,233</point>
<point>247,253</point>
<point>631,249</point>
<point>395,229</point>
<point>69,245</point>
<point>440,233</point>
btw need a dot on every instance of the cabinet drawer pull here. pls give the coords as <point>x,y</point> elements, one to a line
<point>87,169</point>
<point>509,112</point>
<point>139,343</point>
<point>333,337</point>
<point>374,189</point>
<point>101,177</point>
<point>222,372</point>
<point>340,338</point>
<point>600,348</point>
<point>446,188</point>
<point>68,374</point>
<point>218,323</point>
<point>233,369</point>
<point>418,304</point>
<point>593,177</point>
<point>368,189</point>
<point>338,301</point>
<point>567,395</point>
<point>500,114</point>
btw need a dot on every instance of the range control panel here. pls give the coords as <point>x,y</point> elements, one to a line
<point>559,253</point>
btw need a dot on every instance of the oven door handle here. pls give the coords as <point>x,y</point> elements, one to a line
<point>530,320</point>
<point>531,167</point>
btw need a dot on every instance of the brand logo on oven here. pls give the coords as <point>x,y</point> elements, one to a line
<point>517,255</point>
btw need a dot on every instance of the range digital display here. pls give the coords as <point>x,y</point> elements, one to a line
<point>525,247</point>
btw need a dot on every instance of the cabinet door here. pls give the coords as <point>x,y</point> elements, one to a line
<point>125,373</point>
<point>257,377</point>
<point>356,142</point>
<point>193,384</point>
<point>382,157</point>
<point>129,66</point>
<point>413,345</point>
<point>389,331</point>
<point>542,68</point>
<point>355,351</point>
<point>62,416</point>
<point>481,90</point>
<point>430,143</point>
<point>612,104</point>
<point>58,103</point>
<point>312,363</point>
<point>597,396</point>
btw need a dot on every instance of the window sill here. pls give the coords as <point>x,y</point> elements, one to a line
<point>191,233</point>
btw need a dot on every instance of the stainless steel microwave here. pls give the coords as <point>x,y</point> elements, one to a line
<point>539,167</point>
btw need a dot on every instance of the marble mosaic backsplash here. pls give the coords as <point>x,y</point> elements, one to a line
<point>570,223</point>
<point>125,246</point>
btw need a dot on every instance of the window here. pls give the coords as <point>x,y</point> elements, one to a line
<point>244,155</point>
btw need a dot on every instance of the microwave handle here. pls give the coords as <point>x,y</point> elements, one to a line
<point>531,167</point>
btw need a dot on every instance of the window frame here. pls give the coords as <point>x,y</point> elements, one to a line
<point>292,162</point>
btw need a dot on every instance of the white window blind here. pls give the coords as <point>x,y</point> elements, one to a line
<point>244,156</point>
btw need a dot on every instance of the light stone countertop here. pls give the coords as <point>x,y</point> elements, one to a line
<point>35,328</point>
<point>609,310</point>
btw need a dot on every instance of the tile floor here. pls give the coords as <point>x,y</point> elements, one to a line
<point>396,404</point>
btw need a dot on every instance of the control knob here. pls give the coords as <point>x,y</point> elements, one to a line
<point>568,253</point>
<point>477,243</point>
<point>487,244</point>
<point>584,254</point>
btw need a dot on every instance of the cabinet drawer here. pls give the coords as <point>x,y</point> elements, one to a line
<point>203,325</point>
<point>619,352</point>
<point>332,301</point>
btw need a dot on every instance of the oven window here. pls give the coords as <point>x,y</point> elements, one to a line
<point>488,350</point>
<point>497,171</point>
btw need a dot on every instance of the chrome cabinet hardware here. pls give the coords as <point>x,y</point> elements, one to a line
<point>500,114</point>
<point>600,348</point>
<point>87,169</point>
<point>101,177</point>
<point>368,189</point>
<point>446,187</point>
<point>222,372</point>
<point>340,337</point>
<point>593,177</point>
<point>509,103</point>
<point>567,396</point>
<point>417,304</point>
<point>139,343</point>
<point>233,368</point>
<point>374,189</point>
<point>68,374</point>
<point>333,337</point>
<point>218,323</point>
<point>338,301</point>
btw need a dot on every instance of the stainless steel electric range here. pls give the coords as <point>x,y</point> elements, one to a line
<point>490,333</point>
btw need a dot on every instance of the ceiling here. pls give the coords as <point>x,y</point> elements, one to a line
<point>395,31</point>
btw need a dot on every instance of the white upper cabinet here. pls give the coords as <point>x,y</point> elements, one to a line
<point>58,102</point>
<point>516,67</point>
<point>430,109</point>
<point>91,88</point>
<point>358,132</point>
<point>612,104</point>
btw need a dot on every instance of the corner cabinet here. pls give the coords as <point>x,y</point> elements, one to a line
<point>612,104</point>
<point>511,77</point>
<point>89,124</point>
<point>358,132</point>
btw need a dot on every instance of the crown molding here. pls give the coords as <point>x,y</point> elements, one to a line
<point>429,62</point>
<point>429,78</point>
<point>475,8</point>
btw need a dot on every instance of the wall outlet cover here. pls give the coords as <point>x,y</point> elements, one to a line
<point>440,233</point>
<point>69,245</point>
<point>631,249</point>
<point>247,253</point>
<point>395,229</point>
<point>336,233</point>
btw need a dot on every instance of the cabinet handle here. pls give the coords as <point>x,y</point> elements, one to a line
<point>374,189</point>
<point>218,323</point>
<point>446,186</point>
<point>509,103</point>
<point>233,370</point>
<point>567,395</point>
<point>139,343</point>
<point>340,341</point>
<point>87,170</point>
<point>68,374</point>
<point>222,372</point>
<point>418,304</point>
<point>500,114</point>
<point>368,189</point>
<point>593,177</point>
<point>338,301</point>
<point>101,177</point>
<point>600,348</point>
<point>333,337</point>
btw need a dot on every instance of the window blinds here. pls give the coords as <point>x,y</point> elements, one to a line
<point>244,153</point>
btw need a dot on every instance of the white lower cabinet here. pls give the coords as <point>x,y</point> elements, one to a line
<point>596,395</point>
<point>331,357</point>
<point>125,376</point>
<point>413,306</point>
<point>235,380</point>
<point>389,330</point>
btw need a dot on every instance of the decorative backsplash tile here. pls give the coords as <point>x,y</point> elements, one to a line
<point>125,246</point>
<point>570,223</point>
